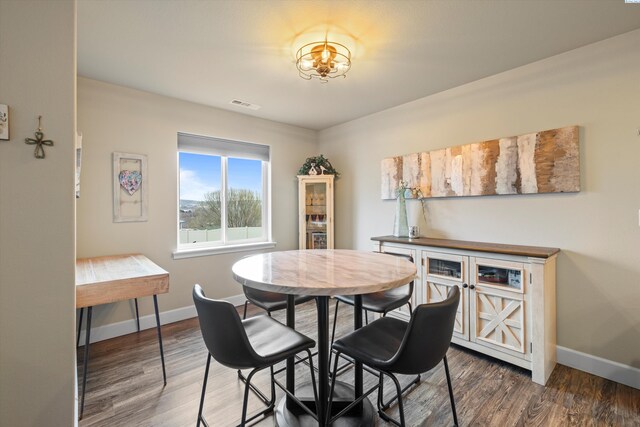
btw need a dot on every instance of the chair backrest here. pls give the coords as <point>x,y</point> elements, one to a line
<point>223,332</point>
<point>428,336</point>
<point>405,291</point>
<point>258,296</point>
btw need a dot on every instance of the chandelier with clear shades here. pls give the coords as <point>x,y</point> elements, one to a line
<point>323,60</point>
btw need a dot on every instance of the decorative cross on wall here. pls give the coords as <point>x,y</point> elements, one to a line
<point>39,142</point>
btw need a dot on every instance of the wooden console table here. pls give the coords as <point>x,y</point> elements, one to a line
<point>508,295</point>
<point>108,279</point>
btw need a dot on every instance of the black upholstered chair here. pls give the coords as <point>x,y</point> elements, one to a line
<point>269,301</point>
<point>256,343</point>
<point>378,302</point>
<point>392,346</point>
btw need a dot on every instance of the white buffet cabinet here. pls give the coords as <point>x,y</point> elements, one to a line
<point>508,296</point>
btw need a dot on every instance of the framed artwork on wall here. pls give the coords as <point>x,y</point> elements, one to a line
<point>130,187</point>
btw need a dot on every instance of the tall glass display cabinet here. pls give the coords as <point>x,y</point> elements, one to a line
<point>315,201</point>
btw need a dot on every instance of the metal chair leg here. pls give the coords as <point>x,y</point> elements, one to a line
<point>137,314</point>
<point>333,384</point>
<point>453,403</point>
<point>245,401</point>
<point>400,405</point>
<point>270,404</point>
<point>313,377</point>
<point>333,331</point>
<point>204,389</point>
<point>387,405</point>
<point>155,305</point>
<point>244,316</point>
<point>79,327</point>
<point>380,401</point>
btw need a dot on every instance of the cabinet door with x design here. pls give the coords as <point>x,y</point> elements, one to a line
<point>498,306</point>
<point>441,273</point>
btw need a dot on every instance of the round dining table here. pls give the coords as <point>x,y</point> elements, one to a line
<point>324,273</point>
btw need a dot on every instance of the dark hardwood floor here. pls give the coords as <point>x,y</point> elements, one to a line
<point>124,386</point>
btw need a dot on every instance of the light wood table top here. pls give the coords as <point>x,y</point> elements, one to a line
<point>324,272</point>
<point>108,279</point>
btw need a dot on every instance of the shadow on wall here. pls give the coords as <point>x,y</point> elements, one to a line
<point>599,313</point>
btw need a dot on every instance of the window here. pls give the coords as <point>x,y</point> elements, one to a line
<point>223,195</point>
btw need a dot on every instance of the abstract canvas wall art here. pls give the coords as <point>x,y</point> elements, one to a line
<point>540,162</point>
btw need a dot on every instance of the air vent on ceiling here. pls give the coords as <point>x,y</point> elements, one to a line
<point>244,104</point>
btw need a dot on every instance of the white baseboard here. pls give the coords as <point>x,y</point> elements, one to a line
<point>614,371</point>
<point>113,330</point>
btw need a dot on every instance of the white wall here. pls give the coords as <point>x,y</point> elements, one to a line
<point>37,214</point>
<point>113,118</point>
<point>596,87</point>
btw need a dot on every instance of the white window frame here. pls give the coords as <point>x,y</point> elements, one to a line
<point>188,250</point>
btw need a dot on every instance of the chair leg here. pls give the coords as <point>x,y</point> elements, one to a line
<point>410,309</point>
<point>366,317</point>
<point>380,392</point>
<point>248,386</point>
<point>400,405</point>
<point>313,377</point>
<point>245,401</point>
<point>333,384</point>
<point>387,405</point>
<point>79,327</point>
<point>244,316</point>
<point>333,331</point>
<point>204,390</point>
<point>453,403</point>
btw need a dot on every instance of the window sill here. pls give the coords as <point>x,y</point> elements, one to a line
<point>191,253</point>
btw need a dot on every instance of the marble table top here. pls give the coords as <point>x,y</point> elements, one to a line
<point>324,272</point>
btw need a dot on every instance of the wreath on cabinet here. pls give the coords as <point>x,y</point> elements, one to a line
<point>318,165</point>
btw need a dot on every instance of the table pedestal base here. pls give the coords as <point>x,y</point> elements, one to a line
<point>295,417</point>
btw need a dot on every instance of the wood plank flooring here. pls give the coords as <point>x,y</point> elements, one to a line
<point>124,386</point>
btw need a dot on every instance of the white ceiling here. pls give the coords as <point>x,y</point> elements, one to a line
<point>211,52</point>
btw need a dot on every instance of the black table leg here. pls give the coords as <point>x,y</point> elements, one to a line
<point>155,304</point>
<point>291,362</point>
<point>323,358</point>
<point>86,359</point>
<point>288,414</point>
<point>79,328</point>
<point>137,315</point>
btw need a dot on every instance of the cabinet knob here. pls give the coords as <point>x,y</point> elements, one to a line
<point>464,285</point>
<point>472,286</point>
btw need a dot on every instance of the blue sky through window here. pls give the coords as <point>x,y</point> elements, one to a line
<point>245,174</point>
<point>200,174</point>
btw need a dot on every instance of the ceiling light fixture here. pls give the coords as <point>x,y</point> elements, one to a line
<point>323,60</point>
